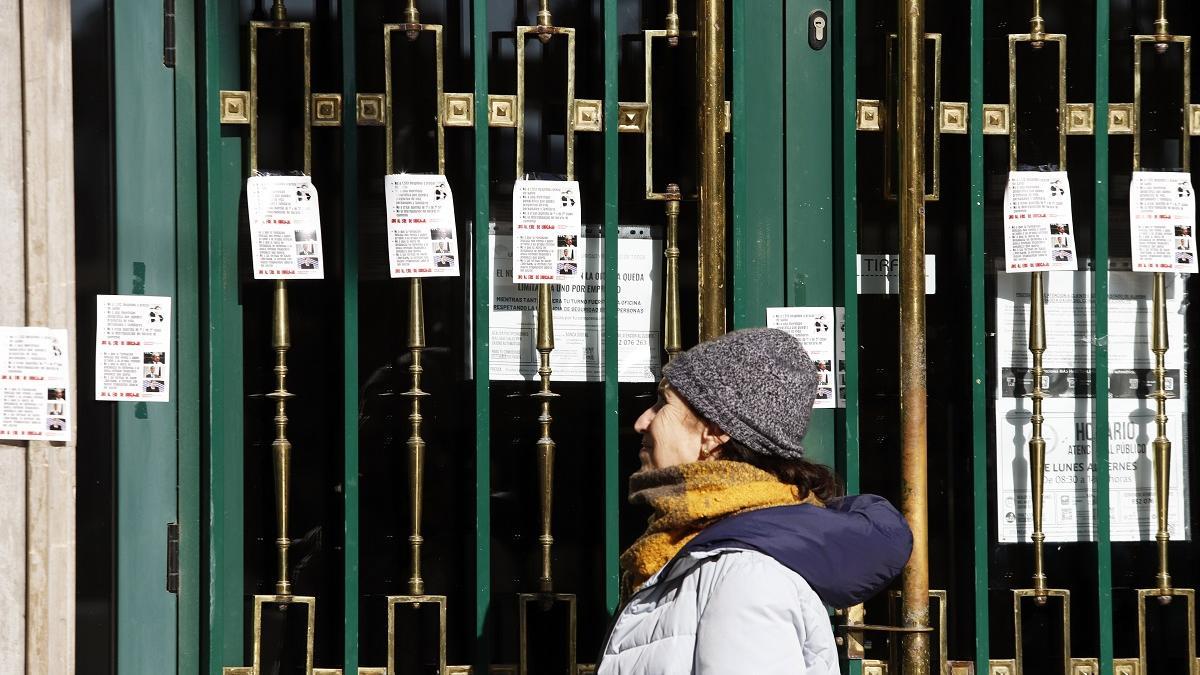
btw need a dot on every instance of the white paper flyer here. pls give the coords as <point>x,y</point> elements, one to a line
<point>422,237</point>
<point>35,401</point>
<point>133,348</point>
<point>1038,230</point>
<point>815,328</point>
<point>1069,428</point>
<point>578,354</point>
<point>547,220</point>
<point>1162,221</point>
<point>285,227</point>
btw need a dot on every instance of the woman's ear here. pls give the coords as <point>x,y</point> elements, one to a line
<point>711,440</point>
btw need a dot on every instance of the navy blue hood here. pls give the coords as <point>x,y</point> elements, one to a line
<point>848,551</point>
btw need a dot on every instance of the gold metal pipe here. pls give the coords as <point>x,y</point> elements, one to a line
<point>1037,26</point>
<point>1162,29</point>
<point>1037,443</point>
<point>1159,343</point>
<point>416,444</point>
<point>673,24</point>
<point>545,21</point>
<point>281,447</point>
<point>412,21</point>
<point>545,444</point>
<point>914,497</point>
<point>672,342</point>
<point>711,71</point>
<point>278,11</point>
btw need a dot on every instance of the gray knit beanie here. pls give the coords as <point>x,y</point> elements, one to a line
<point>757,384</point>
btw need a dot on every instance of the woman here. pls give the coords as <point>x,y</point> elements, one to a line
<point>747,543</point>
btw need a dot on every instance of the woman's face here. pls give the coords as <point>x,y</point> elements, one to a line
<point>673,434</point>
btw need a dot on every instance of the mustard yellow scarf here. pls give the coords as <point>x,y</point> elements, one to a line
<point>689,497</point>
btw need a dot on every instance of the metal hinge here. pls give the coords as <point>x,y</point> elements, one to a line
<point>173,557</point>
<point>169,33</point>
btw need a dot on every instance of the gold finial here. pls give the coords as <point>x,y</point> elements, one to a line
<point>1162,30</point>
<point>673,24</point>
<point>544,21</point>
<point>1037,27</point>
<point>412,21</point>
<point>278,11</point>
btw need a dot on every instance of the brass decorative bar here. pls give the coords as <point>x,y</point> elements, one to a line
<point>1037,442</point>
<point>1161,43</point>
<point>281,447</point>
<point>710,24</point>
<point>412,30</point>
<point>416,443</point>
<point>280,23</point>
<point>1159,343</point>
<point>914,489</point>
<point>1037,41</point>
<point>672,343</point>
<point>545,443</point>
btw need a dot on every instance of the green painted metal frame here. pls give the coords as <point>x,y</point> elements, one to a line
<point>146,451</point>
<point>845,80</point>
<point>350,444</point>
<point>613,485</point>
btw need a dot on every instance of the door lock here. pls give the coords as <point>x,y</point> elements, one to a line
<point>818,29</point>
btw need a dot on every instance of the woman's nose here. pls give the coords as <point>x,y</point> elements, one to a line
<point>643,421</point>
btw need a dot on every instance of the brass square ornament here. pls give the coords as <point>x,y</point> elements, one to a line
<point>1088,666</point>
<point>631,118</point>
<point>1002,667</point>
<point>1127,667</point>
<point>995,118</point>
<point>1194,119</point>
<point>502,111</point>
<point>459,110</point>
<point>369,109</point>
<point>961,667</point>
<point>1080,119</point>
<point>235,107</point>
<point>952,117</point>
<point>587,115</point>
<point>873,667</point>
<point>327,110</point>
<point>1120,118</point>
<point>867,114</point>
<point>728,117</point>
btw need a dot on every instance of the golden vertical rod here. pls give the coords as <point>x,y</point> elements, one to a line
<point>914,497</point>
<point>545,444</point>
<point>281,447</point>
<point>278,11</point>
<point>416,443</point>
<point>711,72</point>
<point>1037,26</point>
<point>544,20</point>
<point>1159,343</point>
<point>1162,29</point>
<point>672,342</point>
<point>1037,444</point>
<point>412,21</point>
<point>673,24</point>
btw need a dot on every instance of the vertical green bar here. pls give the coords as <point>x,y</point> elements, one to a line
<point>146,451</point>
<point>845,127</point>
<point>1100,346</point>
<point>612,482</point>
<point>187,345</point>
<point>979,394</point>
<point>350,334</point>
<point>758,194</point>
<point>483,419</point>
<point>221,177</point>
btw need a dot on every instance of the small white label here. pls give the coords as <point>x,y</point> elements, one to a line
<point>35,402</point>
<point>815,328</point>
<point>133,348</point>
<point>422,237</point>
<point>1162,219</point>
<point>879,274</point>
<point>547,221</point>
<point>285,227</point>
<point>1038,230</point>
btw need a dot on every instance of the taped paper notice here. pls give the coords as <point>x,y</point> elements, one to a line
<point>133,348</point>
<point>547,220</point>
<point>815,328</point>
<point>422,237</point>
<point>1162,221</point>
<point>1038,229</point>
<point>285,227</point>
<point>35,386</point>
<point>578,354</point>
<point>1068,383</point>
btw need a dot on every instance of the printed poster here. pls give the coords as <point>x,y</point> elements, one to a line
<point>1162,221</point>
<point>35,388</point>
<point>1069,386</point>
<point>133,348</point>
<point>815,328</point>
<point>578,354</point>
<point>1038,230</point>
<point>421,233</point>
<point>285,227</point>
<point>547,220</point>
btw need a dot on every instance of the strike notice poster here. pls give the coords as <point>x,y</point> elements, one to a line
<point>578,354</point>
<point>34,385</point>
<point>1162,221</point>
<point>1069,386</point>
<point>285,227</point>
<point>133,348</point>
<point>547,221</point>
<point>815,328</point>
<point>1038,229</point>
<point>421,233</point>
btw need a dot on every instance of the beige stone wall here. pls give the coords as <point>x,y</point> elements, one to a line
<point>37,243</point>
